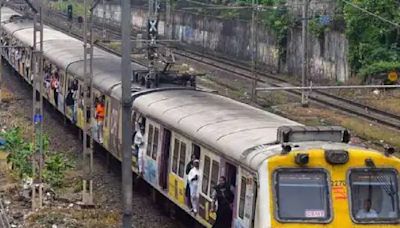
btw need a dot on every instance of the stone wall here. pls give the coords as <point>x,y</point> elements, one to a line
<point>231,39</point>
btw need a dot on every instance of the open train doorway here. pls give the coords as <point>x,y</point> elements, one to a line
<point>165,153</point>
<point>230,172</point>
<point>230,175</point>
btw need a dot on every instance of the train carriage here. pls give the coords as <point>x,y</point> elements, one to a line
<point>282,174</point>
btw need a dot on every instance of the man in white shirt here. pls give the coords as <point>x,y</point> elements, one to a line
<point>138,141</point>
<point>367,212</point>
<point>194,178</point>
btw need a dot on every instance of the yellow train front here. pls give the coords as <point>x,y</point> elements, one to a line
<point>325,184</point>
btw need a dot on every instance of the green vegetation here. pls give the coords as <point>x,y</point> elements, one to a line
<point>61,5</point>
<point>276,17</point>
<point>374,44</point>
<point>21,156</point>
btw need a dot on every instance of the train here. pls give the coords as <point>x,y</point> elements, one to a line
<point>281,173</point>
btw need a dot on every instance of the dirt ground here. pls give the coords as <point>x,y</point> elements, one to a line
<point>63,210</point>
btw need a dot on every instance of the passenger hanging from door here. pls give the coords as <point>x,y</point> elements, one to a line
<point>71,99</point>
<point>139,146</point>
<point>193,179</point>
<point>100,118</point>
<point>55,84</point>
<point>189,167</point>
<point>222,200</point>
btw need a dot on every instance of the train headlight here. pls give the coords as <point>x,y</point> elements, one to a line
<point>302,159</point>
<point>336,157</point>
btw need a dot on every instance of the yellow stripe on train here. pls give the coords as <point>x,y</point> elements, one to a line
<point>339,184</point>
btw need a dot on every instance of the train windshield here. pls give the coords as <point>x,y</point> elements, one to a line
<point>374,195</point>
<point>302,195</point>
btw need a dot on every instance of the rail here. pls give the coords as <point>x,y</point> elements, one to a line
<point>4,221</point>
<point>275,80</point>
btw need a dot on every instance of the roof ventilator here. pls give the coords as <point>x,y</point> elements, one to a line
<point>292,134</point>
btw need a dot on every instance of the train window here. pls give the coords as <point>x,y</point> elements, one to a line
<point>206,175</point>
<point>182,160</point>
<point>242,197</point>
<point>302,195</point>
<point>155,143</point>
<point>214,174</point>
<point>149,140</point>
<point>175,157</point>
<point>374,195</point>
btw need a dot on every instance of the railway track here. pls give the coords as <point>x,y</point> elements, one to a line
<point>240,70</point>
<point>324,98</point>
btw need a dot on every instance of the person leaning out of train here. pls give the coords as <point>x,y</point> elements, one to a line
<point>222,200</point>
<point>70,101</point>
<point>100,119</point>
<point>55,86</point>
<point>189,166</point>
<point>138,142</point>
<point>193,178</point>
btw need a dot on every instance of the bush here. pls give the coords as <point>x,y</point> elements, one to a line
<point>21,155</point>
<point>55,167</point>
<point>379,67</point>
<point>20,152</point>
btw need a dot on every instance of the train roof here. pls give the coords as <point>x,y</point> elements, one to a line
<point>67,53</point>
<point>223,125</point>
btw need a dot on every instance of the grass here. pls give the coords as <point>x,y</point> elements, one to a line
<point>61,5</point>
<point>6,96</point>
<point>74,218</point>
<point>362,128</point>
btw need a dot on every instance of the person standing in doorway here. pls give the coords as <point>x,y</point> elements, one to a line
<point>100,119</point>
<point>222,200</point>
<point>189,167</point>
<point>138,142</point>
<point>193,178</point>
<point>55,84</point>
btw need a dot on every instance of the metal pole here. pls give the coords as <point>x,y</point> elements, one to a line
<point>253,52</point>
<point>304,34</point>
<point>126,73</point>
<point>87,193</point>
<point>1,56</point>
<point>168,19</point>
<point>37,65</point>
<point>104,20</point>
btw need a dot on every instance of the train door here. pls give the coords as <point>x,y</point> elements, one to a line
<point>62,87</point>
<point>176,178</point>
<point>247,188</point>
<point>231,176</point>
<point>152,149</point>
<point>210,171</point>
<point>164,161</point>
<point>114,128</point>
<point>67,106</point>
<point>106,124</point>
<point>80,116</point>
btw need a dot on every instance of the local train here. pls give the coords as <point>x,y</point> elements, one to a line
<point>282,174</point>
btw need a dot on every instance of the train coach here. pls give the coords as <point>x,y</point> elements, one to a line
<point>281,173</point>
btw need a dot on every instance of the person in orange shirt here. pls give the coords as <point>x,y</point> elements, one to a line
<point>100,118</point>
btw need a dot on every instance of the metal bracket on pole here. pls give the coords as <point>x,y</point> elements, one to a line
<point>37,117</point>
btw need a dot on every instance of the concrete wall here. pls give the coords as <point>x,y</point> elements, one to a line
<point>231,39</point>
